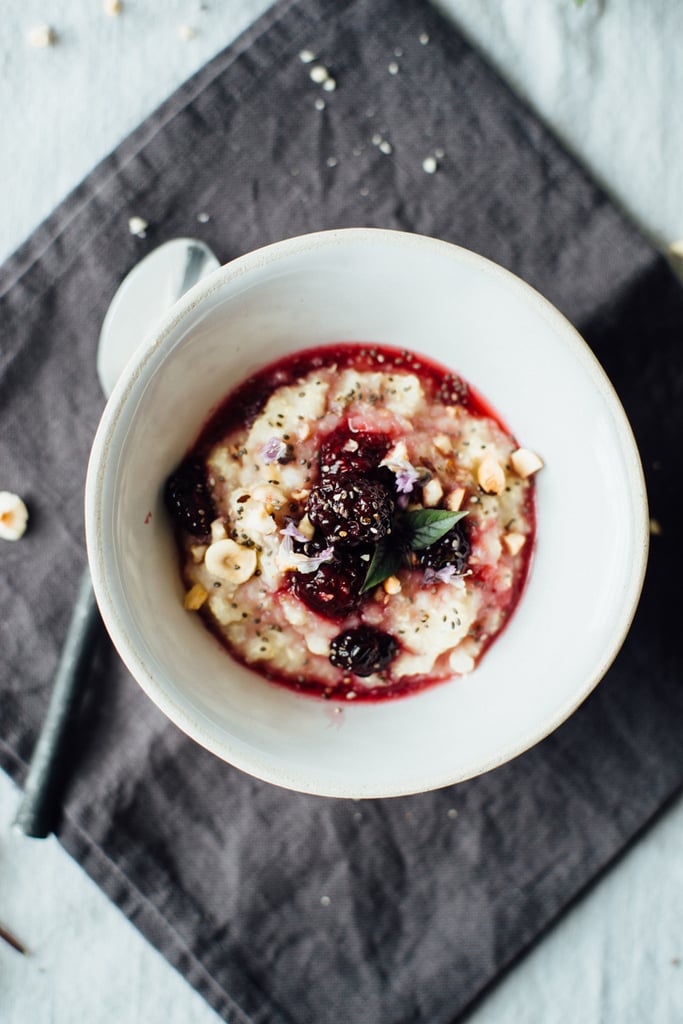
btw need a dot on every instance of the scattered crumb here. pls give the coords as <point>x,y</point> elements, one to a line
<point>424,38</point>
<point>329,85</point>
<point>376,139</point>
<point>112,7</point>
<point>655,528</point>
<point>398,52</point>
<point>138,226</point>
<point>203,217</point>
<point>364,191</point>
<point>439,154</point>
<point>307,56</point>
<point>325,901</point>
<point>195,598</point>
<point>13,516</point>
<point>318,74</point>
<point>331,161</point>
<point>319,103</point>
<point>452,813</point>
<point>186,33</point>
<point>41,36</point>
<point>385,147</point>
<point>393,68</point>
<point>429,165</point>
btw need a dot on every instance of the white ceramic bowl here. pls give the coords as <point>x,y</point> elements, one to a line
<point>527,360</point>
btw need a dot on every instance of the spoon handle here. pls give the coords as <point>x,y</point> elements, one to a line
<point>41,802</point>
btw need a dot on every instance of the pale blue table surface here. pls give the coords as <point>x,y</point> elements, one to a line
<point>607,77</point>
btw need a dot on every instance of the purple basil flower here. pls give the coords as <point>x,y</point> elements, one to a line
<point>313,564</point>
<point>301,562</point>
<point>292,530</point>
<point>406,476</point>
<point>448,574</point>
<point>273,450</point>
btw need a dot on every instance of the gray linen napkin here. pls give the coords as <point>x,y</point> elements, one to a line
<point>280,907</point>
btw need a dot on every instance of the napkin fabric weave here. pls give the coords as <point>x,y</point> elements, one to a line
<point>280,907</point>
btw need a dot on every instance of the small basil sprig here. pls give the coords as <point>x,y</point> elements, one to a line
<point>417,530</point>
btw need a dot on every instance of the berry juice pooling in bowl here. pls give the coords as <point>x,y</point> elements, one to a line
<point>354,522</point>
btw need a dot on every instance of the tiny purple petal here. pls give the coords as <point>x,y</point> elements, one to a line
<point>292,530</point>
<point>406,476</point>
<point>287,543</point>
<point>448,574</point>
<point>314,563</point>
<point>273,450</point>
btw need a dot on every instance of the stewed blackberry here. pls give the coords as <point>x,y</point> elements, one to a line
<point>363,650</point>
<point>188,498</point>
<point>351,509</point>
<point>452,549</point>
<point>334,589</point>
<point>344,451</point>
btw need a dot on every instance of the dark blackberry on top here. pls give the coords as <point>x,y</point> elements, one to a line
<point>453,549</point>
<point>351,509</point>
<point>363,650</point>
<point>334,589</point>
<point>346,451</point>
<point>188,498</point>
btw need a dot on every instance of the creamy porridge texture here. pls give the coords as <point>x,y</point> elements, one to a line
<point>354,522</point>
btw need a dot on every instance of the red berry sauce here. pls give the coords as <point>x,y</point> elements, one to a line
<point>347,463</point>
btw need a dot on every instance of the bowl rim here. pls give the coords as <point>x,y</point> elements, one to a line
<point>101,465</point>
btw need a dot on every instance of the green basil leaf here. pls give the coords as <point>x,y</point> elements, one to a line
<point>427,525</point>
<point>386,561</point>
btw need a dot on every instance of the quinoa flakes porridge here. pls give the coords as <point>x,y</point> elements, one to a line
<point>355,522</point>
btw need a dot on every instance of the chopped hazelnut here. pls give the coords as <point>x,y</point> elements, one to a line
<point>198,551</point>
<point>318,644</point>
<point>514,542</point>
<point>432,493</point>
<point>490,475</point>
<point>230,561</point>
<point>455,499</point>
<point>461,662</point>
<point>195,598</point>
<point>218,531</point>
<point>525,462</point>
<point>392,585</point>
<point>443,443</point>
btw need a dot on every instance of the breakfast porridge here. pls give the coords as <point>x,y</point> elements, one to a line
<point>354,522</point>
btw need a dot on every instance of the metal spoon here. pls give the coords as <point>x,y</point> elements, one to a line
<point>147,292</point>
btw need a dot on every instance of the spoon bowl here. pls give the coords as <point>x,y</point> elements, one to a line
<point>144,295</point>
